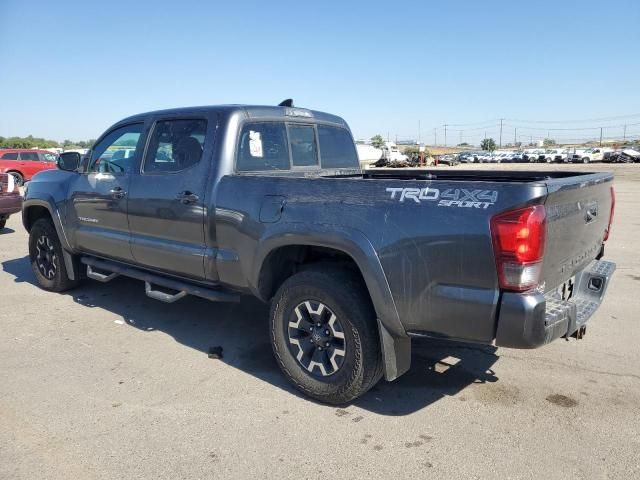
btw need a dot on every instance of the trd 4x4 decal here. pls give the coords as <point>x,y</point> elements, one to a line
<point>451,197</point>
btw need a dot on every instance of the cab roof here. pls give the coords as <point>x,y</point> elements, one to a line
<point>249,111</point>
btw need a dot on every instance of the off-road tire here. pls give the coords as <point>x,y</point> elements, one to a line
<point>59,282</point>
<point>344,293</point>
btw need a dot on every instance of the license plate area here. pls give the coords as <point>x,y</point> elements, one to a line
<point>567,290</point>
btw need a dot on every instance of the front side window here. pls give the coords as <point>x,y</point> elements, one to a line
<point>304,152</point>
<point>29,156</point>
<point>117,152</point>
<point>263,146</point>
<point>336,148</point>
<point>175,145</point>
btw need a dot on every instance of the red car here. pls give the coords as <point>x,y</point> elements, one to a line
<point>25,163</point>
<point>10,199</point>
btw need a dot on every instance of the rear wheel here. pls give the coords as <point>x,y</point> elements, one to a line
<point>3,223</point>
<point>17,176</point>
<point>47,262</point>
<point>585,159</point>
<point>324,334</point>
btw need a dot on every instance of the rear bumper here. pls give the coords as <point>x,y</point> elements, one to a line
<point>533,320</point>
<point>10,204</point>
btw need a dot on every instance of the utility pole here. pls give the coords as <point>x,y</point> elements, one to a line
<point>600,136</point>
<point>435,137</point>
<point>515,137</point>
<point>445,134</point>
<point>501,132</point>
<point>418,132</point>
<point>460,136</point>
<point>624,134</point>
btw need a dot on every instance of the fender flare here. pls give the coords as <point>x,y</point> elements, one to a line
<point>54,213</point>
<point>395,343</point>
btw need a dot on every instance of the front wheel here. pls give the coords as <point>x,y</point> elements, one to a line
<point>47,262</point>
<point>585,160</point>
<point>324,334</point>
<point>3,223</point>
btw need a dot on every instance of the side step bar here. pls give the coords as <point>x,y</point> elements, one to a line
<point>151,279</point>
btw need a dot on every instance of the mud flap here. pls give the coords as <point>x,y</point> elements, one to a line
<point>396,353</point>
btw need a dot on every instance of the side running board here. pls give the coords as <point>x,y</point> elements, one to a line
<point>151,280</point>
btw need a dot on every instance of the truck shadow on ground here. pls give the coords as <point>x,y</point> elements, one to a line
<point>439,369</point>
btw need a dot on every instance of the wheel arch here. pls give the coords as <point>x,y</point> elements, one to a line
<point>35,209</point>
<point>292,246</point>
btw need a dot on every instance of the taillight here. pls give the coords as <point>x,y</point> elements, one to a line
<point>518,244</point>
<point>613,206</point>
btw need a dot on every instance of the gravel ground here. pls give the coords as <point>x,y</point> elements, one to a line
<point>103,382</point>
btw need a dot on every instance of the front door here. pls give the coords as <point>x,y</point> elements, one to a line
<point>99,196</point>
<point>167,198</point>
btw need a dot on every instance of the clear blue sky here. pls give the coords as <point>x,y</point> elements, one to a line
<point>68,69</point>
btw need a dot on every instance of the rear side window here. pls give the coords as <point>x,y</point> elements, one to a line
<point>336,148</point>
<point>175,145</point>
<point>263,146</point>
<point>10,156</point>
<point>29,156</point>
<point>304,151</point>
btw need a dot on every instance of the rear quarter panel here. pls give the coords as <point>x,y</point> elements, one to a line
<point>437,260</point>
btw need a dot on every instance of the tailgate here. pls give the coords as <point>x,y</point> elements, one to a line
<point>578,210</point>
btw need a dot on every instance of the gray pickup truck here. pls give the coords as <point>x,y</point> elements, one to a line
<point>223,201</point>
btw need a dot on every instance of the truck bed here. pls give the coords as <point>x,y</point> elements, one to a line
<point>472,175</point>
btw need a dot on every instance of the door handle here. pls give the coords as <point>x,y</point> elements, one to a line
<point>187,197</point>
<point>117,193</point>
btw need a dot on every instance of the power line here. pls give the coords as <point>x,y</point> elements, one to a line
<point>582,120</point>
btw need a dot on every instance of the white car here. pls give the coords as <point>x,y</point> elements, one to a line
<point>589,155</point>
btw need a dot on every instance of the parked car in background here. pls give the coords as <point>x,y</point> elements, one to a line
<point>532,155</point>
<point>468,157</point>
<point>589,155</point>
<point>483,157</point>
<point>10,199</point>
<point>517,157</point>
<point>560,155</point>
<point>450,160</point>
<point>23,164</point>
<point>626,155</point>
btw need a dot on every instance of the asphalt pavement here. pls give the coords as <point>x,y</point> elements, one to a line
<point>103,382</point>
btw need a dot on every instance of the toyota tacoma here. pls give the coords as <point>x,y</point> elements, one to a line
<point>223,201</point>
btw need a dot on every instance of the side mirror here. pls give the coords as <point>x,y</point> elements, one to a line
<point>69,161</point>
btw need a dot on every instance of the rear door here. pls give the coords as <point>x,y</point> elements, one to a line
<point>167,198</point>
<point>30,164</point>
<point>99,196</point>
<point>578,211</point>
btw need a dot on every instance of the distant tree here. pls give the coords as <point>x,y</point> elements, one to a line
<point>488,144</point>
<point>463,144</point>
<point>547,142</point>
<point>377,141</point>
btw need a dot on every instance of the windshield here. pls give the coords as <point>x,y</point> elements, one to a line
<point>49,157</point>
